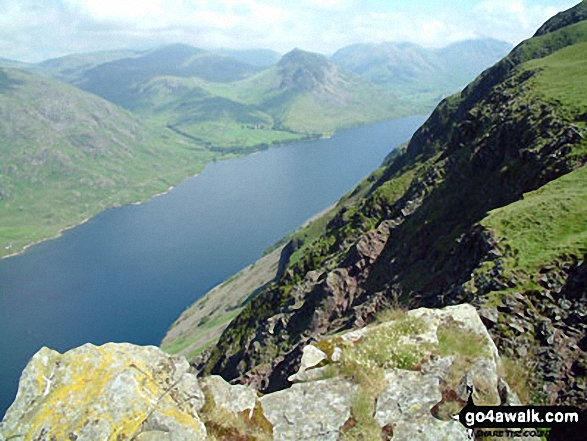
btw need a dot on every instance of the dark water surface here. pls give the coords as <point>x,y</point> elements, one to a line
<point>128,273</point>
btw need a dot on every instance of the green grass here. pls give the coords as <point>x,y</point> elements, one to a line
<point>185,340</point>
<point>230,135</point>
<point>545,225</point>
<point>222,114</point>
<point>364,426</point>
<point>452,339</point>
<point>561,78</point>
<point>544,45</point>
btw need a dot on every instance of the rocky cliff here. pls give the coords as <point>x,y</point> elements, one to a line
<point>485,205</point>
<point>402,379</point>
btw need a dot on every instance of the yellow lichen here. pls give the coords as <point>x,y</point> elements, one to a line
<point>72,390</point>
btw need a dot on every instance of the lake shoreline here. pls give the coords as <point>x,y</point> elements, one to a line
<point>87,219</point>
<point>309,138</point>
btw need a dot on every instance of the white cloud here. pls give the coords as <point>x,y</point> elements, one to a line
<point>512,20</point>
<point>329,4</point>
<point>35,29</point>
<point>127,10</point>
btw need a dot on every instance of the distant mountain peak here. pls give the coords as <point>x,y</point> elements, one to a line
<point>300,56</point>
<point>305,71</point>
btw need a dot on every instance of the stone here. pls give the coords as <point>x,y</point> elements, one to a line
<point>489,316</point>
<point>309,411</point>
<point>311,357</point>
<point>236,398</point>
<point>406,404</point>
<point>115,391</point>
<point>121,391</point>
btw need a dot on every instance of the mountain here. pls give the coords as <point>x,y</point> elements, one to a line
<point>305,92</point>
<point>114,80</point>
<point>66,155</point>
<point>304,95</point>
<point>486,205</point>
<point>71,68</point>
<point>4,62</point>
<point>425,74</point>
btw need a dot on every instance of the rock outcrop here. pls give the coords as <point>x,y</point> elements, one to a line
<point>402,379</point>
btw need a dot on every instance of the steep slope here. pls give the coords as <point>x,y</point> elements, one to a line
<point>66,155</point>
<point>485,204</point>
<point>426,75</point>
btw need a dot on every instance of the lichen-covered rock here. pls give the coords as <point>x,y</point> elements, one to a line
<point>408,376</point>
<point>310,411</point>
<point>112,392</point>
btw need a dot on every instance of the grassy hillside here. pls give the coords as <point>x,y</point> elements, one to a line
<point>486,204</point>
<point>241,101</point>
<point>66,155</point>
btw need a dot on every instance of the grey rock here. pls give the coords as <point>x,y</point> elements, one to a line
<point>309,411</point>
<point>406,404</point>
<point>311,357</point>
<point>236,398</point>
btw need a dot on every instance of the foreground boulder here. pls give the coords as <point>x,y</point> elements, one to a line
<point>403,379</point>
<point>116,391</point>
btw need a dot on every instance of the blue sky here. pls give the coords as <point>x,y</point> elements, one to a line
<point>33,30</point>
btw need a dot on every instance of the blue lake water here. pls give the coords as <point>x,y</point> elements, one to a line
<point>128,273</point>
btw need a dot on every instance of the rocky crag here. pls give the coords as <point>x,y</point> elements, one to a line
<point>485,205</point>
<point>402,379</point>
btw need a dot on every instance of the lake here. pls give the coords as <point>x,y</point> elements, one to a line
<point>127,274</point>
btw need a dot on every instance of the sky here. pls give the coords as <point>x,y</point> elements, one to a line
<point>35,30</point>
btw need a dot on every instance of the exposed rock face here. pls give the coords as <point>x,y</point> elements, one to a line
<point>404,370</point>
<point>112,392</point>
